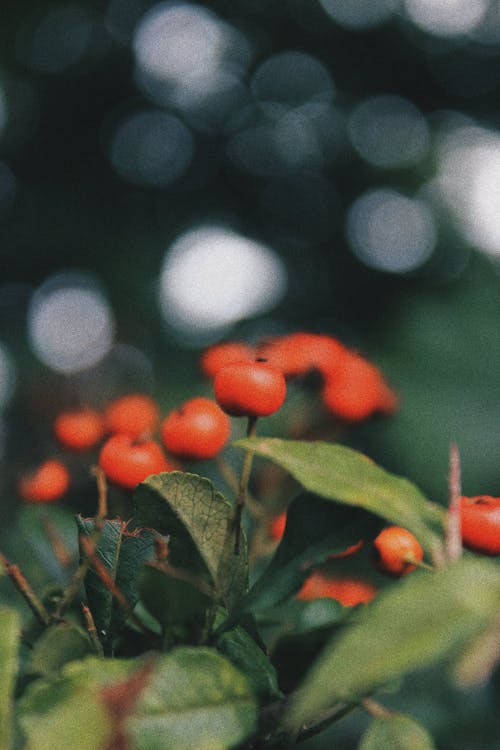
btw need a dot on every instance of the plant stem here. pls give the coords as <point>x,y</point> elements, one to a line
<point>22,585</point>
<point>231,479</point>
<point>375,709</point>
<point>418,563</point>
<point>92,630</point>
<point>453,539</point>
<point>245,476</point>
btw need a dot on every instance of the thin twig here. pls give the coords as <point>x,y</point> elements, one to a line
<point>375,709</point>
<point>453,539</point>
<point>60,550</point>
<point>245,476</point>
<point>92,630</point>
<point>23,586</point>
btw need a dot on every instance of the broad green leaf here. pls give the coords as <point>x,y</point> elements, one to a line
<point>345,475</point>
<point>67,711</point>
<point>9,638</point>
<point>180,607</point>
<point>195,698</point>
<point>199,523</point>
<point>241,649</point>
<point>122,554</point>
<point>418,620</point>
<point>315,528</point>
<point>396,732</point>
<point>58,645</point>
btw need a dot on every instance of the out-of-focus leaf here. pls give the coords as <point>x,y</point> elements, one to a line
<point>345,475</point>
<point>58,645</point>
<point>241,649</point>
<point>315,528</point>
<point>421,619</point>
<point>480,658</point>
<point>9,638</point>
<point>199,523</point>
<point>122,554</point>
<point>195,698</point>
<point>396,732</point>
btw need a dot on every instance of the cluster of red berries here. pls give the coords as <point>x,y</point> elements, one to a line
<point>353,389</point>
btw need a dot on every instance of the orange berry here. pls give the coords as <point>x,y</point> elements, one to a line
<point>45,484</point>
<point>347,590</point>
<point>223,354</point>
<point>199,429</point>
<point>127,461</point>
<point>276,527</point>
<point>356,389</point>
<point>395,551</point>
<point>348,551</point>
<point>252,389</point>
<point>480,519</point>
<point>298,353</point>
<point>80,429</point>
<point>136,415</point>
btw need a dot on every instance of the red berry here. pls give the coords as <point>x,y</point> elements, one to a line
<point>46,483</point>
<point>298,353</point>
<point>348,551</point>
<point>480,516</point>
<point>127,461</point>
<point>199,429</point>
<point>252,389</point>
<point>276,527</point>
<point>346,590</point>
<point>136,415</point>
<point>226,353</point>
<point>356,389</point>
<point>396,550</point>
<point>79,430</point>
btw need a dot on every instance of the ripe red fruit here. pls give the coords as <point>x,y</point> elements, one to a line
<point>199,429</point>
<point>80,429</point>
<point>135,414</point>
<point>45,484</point>
<point>480,517</point>
<point>396,550</point>
<point>276,527</point>
<point>127,461</point>
<point>356,389</point>
<point>298,353</point>
<point>347,590</point>
<point>252,389</point>
<point>226,353</point>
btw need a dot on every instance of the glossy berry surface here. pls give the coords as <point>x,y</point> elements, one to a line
<point>199,429</point>
<point>45,484</point>
<point>223,354</point>
<point>135,414</point>
<point>395,549</point>
<point>347,590</point>
<point>79,430</point>
<point>251,389</point>
<point>127,461</point>
<point>480,518</point>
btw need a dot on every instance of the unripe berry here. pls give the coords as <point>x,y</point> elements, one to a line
<point>199,429</point>
<point>251,389</point>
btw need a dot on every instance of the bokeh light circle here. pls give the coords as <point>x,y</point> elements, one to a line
<point>446,18</point>
<point>390,232</point>
<point>70,323</point>
<point>212,277</point>
<point>359,14</point>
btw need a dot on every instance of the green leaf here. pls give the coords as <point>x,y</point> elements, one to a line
<point>180,607</point>
<point>122,554</point>
<point>9,638</point>
<point>195,698</point>
<point>199,523</point>
<point>418,620</point>
<point>241,649</point>
<point>67,711</point>
<point>342,474</point>
<point>57,646</point>
<point>315,528</point>
<point>396,732</point>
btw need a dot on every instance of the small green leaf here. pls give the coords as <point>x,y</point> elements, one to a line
<point>396,732</point>
<point>415,622</point>
<point>199,523</point>
<point>122,554</point>
<point>195,698</point>
<point>58,645</point>
<point>344,475</point>
<point>241,649</point>
<point>315,529</point>
<point>9,638</point>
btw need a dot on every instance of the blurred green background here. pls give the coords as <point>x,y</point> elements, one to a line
<point>173,174</point>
